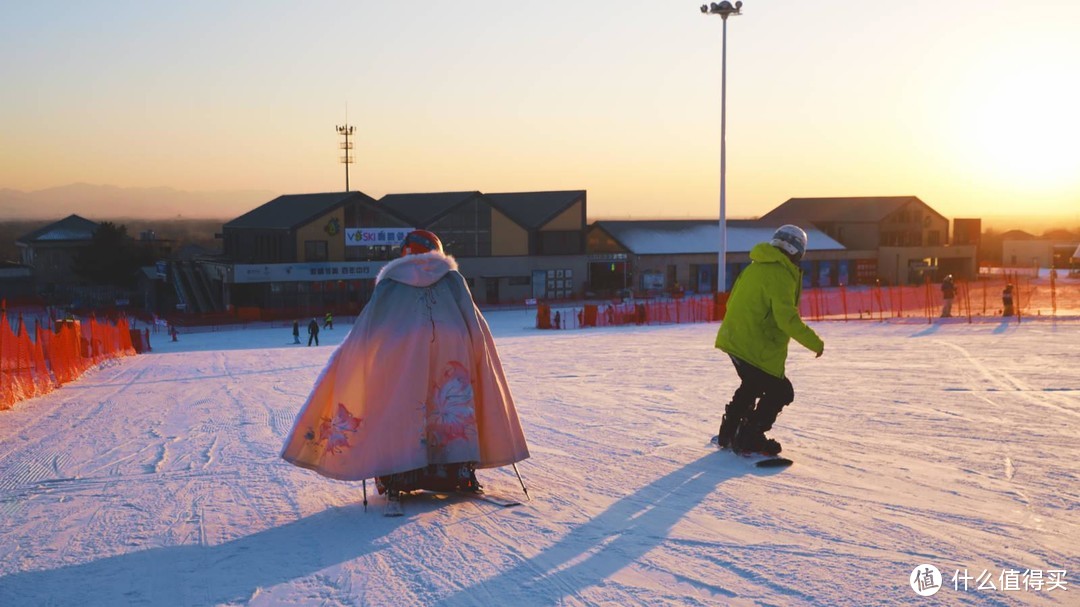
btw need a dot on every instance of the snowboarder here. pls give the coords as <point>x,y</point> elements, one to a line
<point>1007,301</point>
<point>415,396</point>
<point>296,331</point>
<point>948,292</point>
<point>313,332</point>
<point>328,322</point>
<point>762,317</point>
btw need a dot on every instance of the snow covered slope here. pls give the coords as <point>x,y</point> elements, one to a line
<point>155,480</point>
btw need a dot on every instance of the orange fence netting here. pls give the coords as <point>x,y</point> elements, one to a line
<point>32,367</point>
<point>975,301</point>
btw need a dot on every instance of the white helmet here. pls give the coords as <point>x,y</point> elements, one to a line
<point>791,240</point>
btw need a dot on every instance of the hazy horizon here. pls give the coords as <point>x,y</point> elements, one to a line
<point>244,201</point>
<point>968,105</point>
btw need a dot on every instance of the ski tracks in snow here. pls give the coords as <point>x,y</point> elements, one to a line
<point>158,479</point>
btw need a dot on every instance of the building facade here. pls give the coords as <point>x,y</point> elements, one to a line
<point>653,257</point>
<point>314,252</point>
<point>50,252</point>
<point>908,239</point>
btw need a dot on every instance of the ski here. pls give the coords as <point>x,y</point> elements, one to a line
<point>767,461</point>
<point>498,499</point>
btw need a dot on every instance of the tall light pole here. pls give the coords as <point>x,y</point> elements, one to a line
<point>346,145</point>
<point>725,10</point>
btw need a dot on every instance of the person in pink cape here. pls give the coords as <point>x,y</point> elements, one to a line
<point>415,397</point>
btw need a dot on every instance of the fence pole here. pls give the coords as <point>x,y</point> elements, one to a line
<point>929,308</point>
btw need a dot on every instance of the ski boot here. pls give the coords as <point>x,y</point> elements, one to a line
<point>728,428</point>
<point>751,439</point>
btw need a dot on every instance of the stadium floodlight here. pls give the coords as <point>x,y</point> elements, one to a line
<point>725,10</point>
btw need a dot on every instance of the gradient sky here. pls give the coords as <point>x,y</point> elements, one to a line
<point>974,106</point>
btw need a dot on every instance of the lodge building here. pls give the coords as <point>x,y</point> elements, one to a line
<point>311,253</point>
<point>324,251</point>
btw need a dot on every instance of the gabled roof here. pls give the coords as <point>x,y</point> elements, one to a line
<point>294,210</point>
<point>690,236</point>
<point>423,209</point>
<point>532,210</point>
<point>70,228</point>
<point>857,209</point>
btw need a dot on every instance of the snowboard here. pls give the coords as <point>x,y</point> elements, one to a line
<point>761,460</point>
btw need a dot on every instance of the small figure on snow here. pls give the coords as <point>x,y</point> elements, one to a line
<point>1007,301</point>
<point>328,322</point>
<point>762,317</point>
<point>948,293</point>
<point>415,396</point>
<point>313,332</point>
<point>296,331</point>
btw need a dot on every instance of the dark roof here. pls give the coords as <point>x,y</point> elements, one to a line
<point>70,228</point>
<point>293,210</point>
<point>857,209</point>
<point>532,210</point>
<point>422,209</point>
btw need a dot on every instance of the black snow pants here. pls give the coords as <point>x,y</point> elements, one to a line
<point>760,397</point>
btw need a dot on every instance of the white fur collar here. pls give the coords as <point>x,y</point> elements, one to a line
<point>421,270</point>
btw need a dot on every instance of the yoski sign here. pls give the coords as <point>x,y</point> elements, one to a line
<point>375,237</point>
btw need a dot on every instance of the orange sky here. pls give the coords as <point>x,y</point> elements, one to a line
<point>969,105</point>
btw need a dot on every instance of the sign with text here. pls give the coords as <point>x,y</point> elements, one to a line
<point>375,237</point>
<point>306,272</point>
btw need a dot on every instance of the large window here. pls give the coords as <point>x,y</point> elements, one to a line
<point>566,242</point>
<point>466,232</point>
<point>315,250</point>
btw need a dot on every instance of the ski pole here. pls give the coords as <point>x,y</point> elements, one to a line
<point>522,482</point>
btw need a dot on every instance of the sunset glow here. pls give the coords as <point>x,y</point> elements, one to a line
<point>970,105</point>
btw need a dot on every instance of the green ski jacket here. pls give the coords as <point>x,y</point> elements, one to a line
<point>763,312</point>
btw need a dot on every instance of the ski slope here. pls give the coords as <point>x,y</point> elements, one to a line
<point>155,480</point>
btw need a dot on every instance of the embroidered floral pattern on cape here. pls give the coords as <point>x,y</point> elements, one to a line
<point>452,413</point>
<point>335,431</point>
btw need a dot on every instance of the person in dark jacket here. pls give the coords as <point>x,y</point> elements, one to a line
<point>948,293</point>
<point>296,331</point>
<point>762,317</point>
<point>313,332</point>
<point>1007,301</point>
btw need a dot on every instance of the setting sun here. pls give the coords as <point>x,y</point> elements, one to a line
<point>1016,125</point>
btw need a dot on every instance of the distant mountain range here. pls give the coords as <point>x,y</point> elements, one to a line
<point>108,202</point>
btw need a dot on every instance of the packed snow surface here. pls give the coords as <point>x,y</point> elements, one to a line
<point>155,480</point>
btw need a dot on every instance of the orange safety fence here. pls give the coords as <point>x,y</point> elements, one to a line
<point>33,367</point>
<point>975,301</point>
<point>691,309</point>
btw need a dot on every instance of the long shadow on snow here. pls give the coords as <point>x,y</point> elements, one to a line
<point>204,575</point>
<point>616,538</point>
